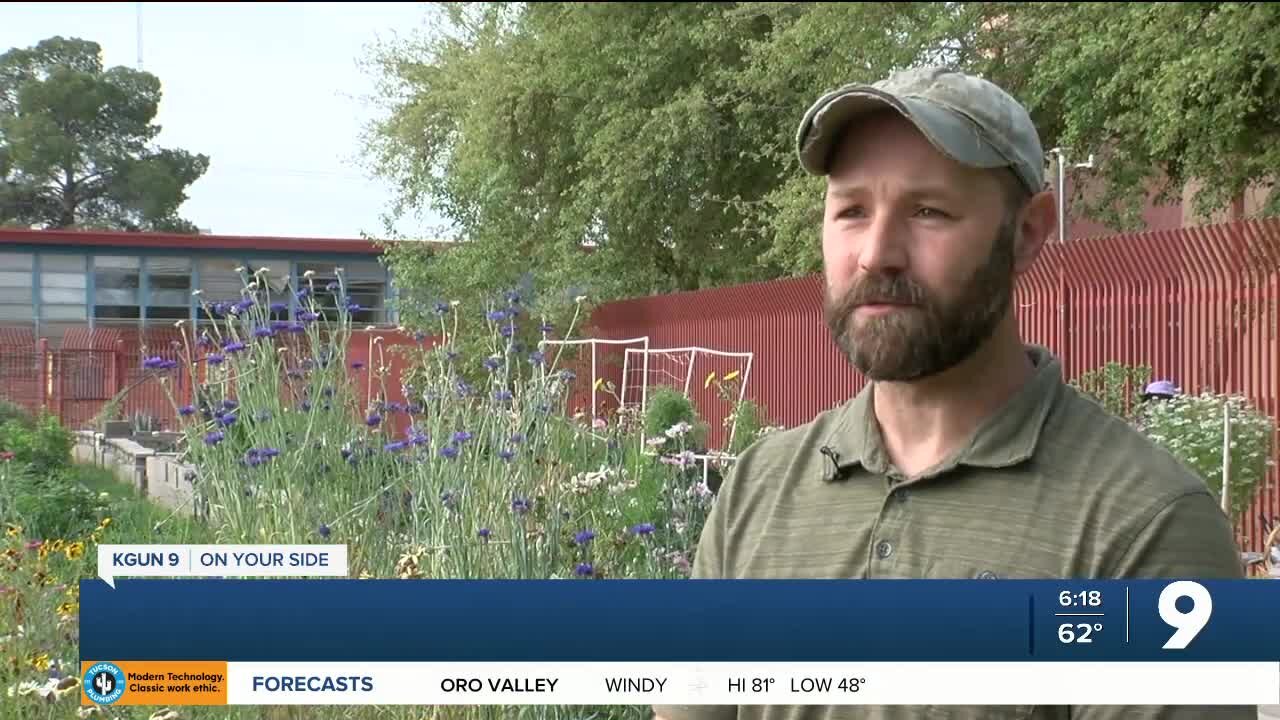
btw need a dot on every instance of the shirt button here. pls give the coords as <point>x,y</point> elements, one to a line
<point>884,549</point>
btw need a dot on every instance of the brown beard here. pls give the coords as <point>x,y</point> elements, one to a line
<point>929,337</point>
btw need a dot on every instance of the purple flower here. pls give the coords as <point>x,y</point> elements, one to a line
<point>449,499</point>
<point>279,325</point>
<point>396,446</point>
<point>505,455</point>
<point>186,410</point>
<point>642,529</point>
<point>498,315</point>
<point>373,420</point>
<point>353,307</point>
<point>449,451</point>
<point>214,437</point>
<point>263,332</point>
<point>584,570</point>
<point>243,305</point>
<point>502,396</point>
<point>442,308</point>
<point>492,363</point>
<point>230,404</point>
<point>357,364</point>
<point>536,358</point>
<point>153,363</point>
<point>464,389</point>
<point>235,346</point>
<point>517,438</point>
<point>205,341</point>
<point>302,293</point>
<point>547,328</point>
<point>296,327</point>
<point>461,436</point>
<point>417,438</point>
<point>226,419</point>
<point>308,316</point>
<point>484,533</point>
<point>567,375</point>
<point>323,531</point>
<point>507,331</point>
<point>279,307</point>
<point>520,506</point>
<point>331,287</point>
<point>215,358</point>
<point>583,537</point>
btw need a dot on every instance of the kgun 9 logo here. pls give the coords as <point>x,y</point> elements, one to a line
<point>1188,624</point>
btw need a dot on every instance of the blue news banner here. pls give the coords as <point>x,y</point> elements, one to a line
<point>678,621</point>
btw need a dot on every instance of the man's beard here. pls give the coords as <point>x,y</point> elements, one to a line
<point>928,337</point>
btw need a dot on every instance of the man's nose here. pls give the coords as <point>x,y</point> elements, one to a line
<point>882,247</point>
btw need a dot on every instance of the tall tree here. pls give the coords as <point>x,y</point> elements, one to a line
<point>76,143</point>
<point>662,135</point>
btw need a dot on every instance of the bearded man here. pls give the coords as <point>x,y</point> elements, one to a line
<point>966,455</point>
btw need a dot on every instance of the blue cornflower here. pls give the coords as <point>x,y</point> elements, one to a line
<point>396,446</point>
<point>215,358</point>
<point>520,506</point>
<point>154,363</point>
<point>507,331</point>
<point>484,533</point>
<point>536,357</point>
<point>373,420</point>
<point>230,404</point>
<point>505,455</point>
<point>295,327</point>
<point>449,451</point>
<point>186,410</point>
<point>279,307</point>
<point>353,307</point>
<point>502,396</point>
<point>517,438</point>
<point>584,570</point>
<point>302,293</point>
<point>492,363</point>
<point>567,375</point>
<point>642,529</point>
<point>442,308</point>
<point>243,305</point>
<point>308,316</point>
<point>263,332</point>
<point>583,537</point>
<point>214,437</point>
<point>323,530</point>
<point>357,364</point>
<point>461,436</point>
<point>498,315</point>
<point>227,419</point>
<point>235,346</point>
<point>331,287</point>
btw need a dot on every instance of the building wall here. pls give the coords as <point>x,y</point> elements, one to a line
<point>52,289</point>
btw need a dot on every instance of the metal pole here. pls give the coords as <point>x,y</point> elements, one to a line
<point>1062,197</point>
<point>1226,461</point>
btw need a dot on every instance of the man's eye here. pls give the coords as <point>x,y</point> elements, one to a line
<point>851,212</point>
<point>931,213</point>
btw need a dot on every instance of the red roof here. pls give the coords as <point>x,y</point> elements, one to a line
<point>109,238</point>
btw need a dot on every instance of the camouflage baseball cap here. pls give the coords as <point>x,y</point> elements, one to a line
<point>968,118</point>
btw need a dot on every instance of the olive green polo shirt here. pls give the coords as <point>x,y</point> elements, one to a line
<point>1052,486</point>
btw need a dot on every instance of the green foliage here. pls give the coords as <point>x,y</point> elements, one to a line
<point>45,446</point>
<point>76,143</point>
<point>667,407</point>
<point>660,136</point>
<point>1115,386</point>
<point>1191,427</point>
<point>750,422</point>
<point>13,411</point>
<point>49,504</point>
<point>1161,93</point>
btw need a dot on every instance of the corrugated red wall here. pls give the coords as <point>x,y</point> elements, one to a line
<point>1200,305</point>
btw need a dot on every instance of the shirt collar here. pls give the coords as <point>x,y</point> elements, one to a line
<point>1008,437</point>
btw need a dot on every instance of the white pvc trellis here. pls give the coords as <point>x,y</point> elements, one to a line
<point>593,342</point>
<point>688,375</point>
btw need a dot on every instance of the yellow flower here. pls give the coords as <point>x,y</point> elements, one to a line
<point>105,522</point>
<point>67,609</point>
<point>599,382</point>
<point>40,662</point>
<point>75,550</point>
<point>731,376</point>
<point>57,545</point>
<point>710,377</point>
<point>13,531</point>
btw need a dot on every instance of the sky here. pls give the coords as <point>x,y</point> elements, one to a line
<point>274,93</point>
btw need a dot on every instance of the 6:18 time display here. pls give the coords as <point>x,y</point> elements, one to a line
<point>1083,598</point>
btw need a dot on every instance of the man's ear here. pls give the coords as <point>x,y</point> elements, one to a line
<point>1037,222</point>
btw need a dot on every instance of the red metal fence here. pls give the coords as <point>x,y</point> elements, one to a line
<point>1197,305</point>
